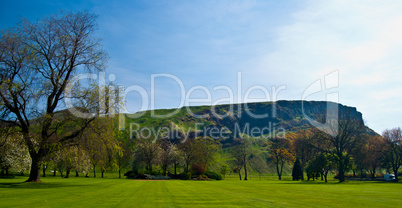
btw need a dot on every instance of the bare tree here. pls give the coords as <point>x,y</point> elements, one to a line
<point>375,145</point>
<point>341,138</point>
<point>37,62</point>
<point>393,149</point>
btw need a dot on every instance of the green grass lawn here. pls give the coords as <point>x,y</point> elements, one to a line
<point>268,192</point>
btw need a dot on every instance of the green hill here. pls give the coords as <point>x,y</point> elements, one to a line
<point>226,122</point>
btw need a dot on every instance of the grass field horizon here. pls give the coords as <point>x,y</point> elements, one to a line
<point>267,192</point>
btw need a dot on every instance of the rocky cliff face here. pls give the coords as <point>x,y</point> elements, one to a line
<point>226,122</point>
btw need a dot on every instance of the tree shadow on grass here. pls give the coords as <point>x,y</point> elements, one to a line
<point>332,182</point>
<point>34,185</point>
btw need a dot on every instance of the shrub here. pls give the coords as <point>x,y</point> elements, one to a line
<point>188,176</point>
<point>201,178</point>
<point>381,175</point>
<point>141,176</point>
<point>346,176</point>
<point>157,177</point>
<point>197,169</point>
<point>130,174</point>
<point>184,176</point>
<point>213,175</point>
<point>7,176</point>
<point>154,172</point>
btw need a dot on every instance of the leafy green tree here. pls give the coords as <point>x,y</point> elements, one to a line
<point>13,155</point>
<point>224,170</point>
<point>167,155</point>
<point>238,163</point>
<point>99,143</point>
<point>176,159</point>
<point>240,153</point>
<point>124,155</point>
<point>148,152</point>
<point>72,158</point>
<point>325,162</point>
<point>189,152</point>
<point>201,150</point>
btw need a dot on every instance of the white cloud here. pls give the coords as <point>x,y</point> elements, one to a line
<point>360,38</point>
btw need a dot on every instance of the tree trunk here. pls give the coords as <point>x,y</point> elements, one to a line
<point>245,172</point>
<point>119,173</point>
<point>76,173</point>
<point>150,168</point>
<point>187,164</point>
<point>280,171</point>
<point>102,173</point>
<point>44,171</point>
<point>322,176</point>
<point>396,174</point>
<point>34,175</point>
<point>373,173</point>
<point>325,176</point>
<point>54,171</point>
<point>175,173</point>
<point>277,171</point>
<point>94,171</point>
<point>239,175</point>
<point>341,171</point>
<point>67,173</point>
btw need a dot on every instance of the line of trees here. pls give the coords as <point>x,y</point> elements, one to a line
<point>320,153</point>
<point>193,155</point>
<point>344,146</point>
<point>101,147</point>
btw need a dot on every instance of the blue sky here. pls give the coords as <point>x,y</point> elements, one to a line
<point>355,47</point>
